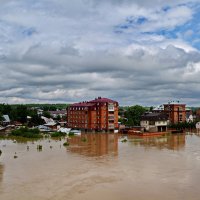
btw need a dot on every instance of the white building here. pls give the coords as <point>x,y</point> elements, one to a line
<point>154,122</point>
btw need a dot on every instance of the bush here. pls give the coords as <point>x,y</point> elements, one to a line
<point>26,132</point>
<point>66,144</point>
<point>57,134</point>
<point>183,125</point>
<point>71,134</point>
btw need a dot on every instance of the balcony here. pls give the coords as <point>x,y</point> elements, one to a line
<point>111,126</point>
<point>111,117</point>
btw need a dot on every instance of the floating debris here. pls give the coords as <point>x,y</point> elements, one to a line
<point>39,147</point>
<point>124,140</point>
<point>15,156</point>
<point>0,152</point>
<point>14,141</point>
<point>27,147</point>
<point>51,147</point>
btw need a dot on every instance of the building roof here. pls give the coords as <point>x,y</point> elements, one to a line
<point>47,120</point>
<point>58,112</point>
<point>174,103</point>
<point>93,102</point>
<point>154,117</point>
<point>50,124</point>
<point>102,100</point>
<point>6,118</point>
<point>159,108</point>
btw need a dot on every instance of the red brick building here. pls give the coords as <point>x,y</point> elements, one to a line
<point>100,114</point>
<point>176,112</point>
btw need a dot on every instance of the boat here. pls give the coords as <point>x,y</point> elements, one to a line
<point>139,133</point>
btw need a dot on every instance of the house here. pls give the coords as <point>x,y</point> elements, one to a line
<point>60,113</point>
<point>17,124</point>
<point>198,125</point>
<point>6,120</point>
<point>52,126</point>
<point>62,123</point>
<point>189,115</point>
<point>40,111</point>
<point>100,114</point>
<point>43,128</point>
<point>50,123</point>
<point>154,122</point>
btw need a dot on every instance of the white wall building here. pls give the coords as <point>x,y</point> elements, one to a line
<point>154,122</point>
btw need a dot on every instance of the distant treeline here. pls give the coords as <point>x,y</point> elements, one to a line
<point>20,112</point>
<point>45,107</point>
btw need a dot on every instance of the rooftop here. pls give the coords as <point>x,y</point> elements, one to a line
<point>6,119</point>
<point>102,100</point>
<point>57,112</point>
<point>154,116</point>
<point>92,102</point>
<point>174,103</point>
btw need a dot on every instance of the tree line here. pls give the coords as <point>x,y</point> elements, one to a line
<point>20,112</point>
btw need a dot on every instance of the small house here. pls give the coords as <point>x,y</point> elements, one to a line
<point>154,122</point>
<point>6,120</point>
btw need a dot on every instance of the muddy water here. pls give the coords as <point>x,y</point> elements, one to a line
<point>100,166</point>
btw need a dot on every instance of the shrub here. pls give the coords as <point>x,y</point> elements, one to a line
<point>71,134</point>
<point>26,132</point>
<point>66,144</point>
<point>57,134</point>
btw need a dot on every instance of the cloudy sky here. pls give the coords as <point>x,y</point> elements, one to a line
<point>134,51</point>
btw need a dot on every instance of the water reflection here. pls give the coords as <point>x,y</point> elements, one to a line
<point>1,172</point>
<point>172,142</point>
<point>94,144</point>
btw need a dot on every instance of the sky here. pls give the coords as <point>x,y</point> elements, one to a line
<point>144,52</point>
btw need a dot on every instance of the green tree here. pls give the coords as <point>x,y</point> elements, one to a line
<point>19,113</point>
<point>46,114</point>
<point>133,115</point>
<point>58,118</point>
<point>5,109</point>
<point>151,109</point>
<point>1,117</point>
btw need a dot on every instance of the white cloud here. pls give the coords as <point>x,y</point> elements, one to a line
<point>67,51</point>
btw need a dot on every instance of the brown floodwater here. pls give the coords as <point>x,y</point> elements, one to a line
<point>101,166</point>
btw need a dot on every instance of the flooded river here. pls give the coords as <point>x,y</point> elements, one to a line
<point>102,167</point>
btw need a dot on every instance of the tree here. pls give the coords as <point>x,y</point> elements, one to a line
<point>5,109</point>
<point>151,109</point>
<point>58,118</point>
<point>19,114</point>
<point>46,114</point>
<point>133,115</point>
<point>1,117</point>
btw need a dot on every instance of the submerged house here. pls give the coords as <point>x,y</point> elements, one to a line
<point>154,122</point>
